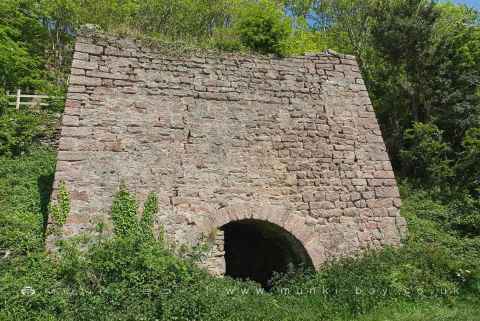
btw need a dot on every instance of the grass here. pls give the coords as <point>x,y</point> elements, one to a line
<point>466,310</point>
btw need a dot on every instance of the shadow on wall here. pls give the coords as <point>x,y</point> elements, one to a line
<point>254,249</point>
<point>45,188</point>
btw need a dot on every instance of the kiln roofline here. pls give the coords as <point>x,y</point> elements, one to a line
<point>93,34</point>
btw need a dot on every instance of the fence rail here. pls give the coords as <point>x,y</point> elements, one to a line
<point>34,100</point>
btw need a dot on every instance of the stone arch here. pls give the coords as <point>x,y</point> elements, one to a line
<point>255,249</point>
<point>301,237</point>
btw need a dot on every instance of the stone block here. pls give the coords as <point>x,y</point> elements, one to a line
<point>86,81</point>
<point>386,192</point>
<point>88,48</point>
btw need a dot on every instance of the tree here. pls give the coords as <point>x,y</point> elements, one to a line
<point>455,73</point>
<point>425,156</point>
<point>21,46</point>
<point>467,167</point>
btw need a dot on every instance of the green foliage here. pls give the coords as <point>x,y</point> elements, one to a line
<point>456,213</point>
<point>402,29</point>
<point>124,213</point>
<point>263,27</point>
<point>21,232</point>
<point>26,182</point>
<point>126,221</point>
<point>3,102</point>
<point>19,131</point>
<point>25,185</point>
<point>184,19</point>
<point>464,214</point>
<point>467,168</point>
<point>455,98</point>
<point>21,46</point>
<point>303,40</point>
<point>60,210</point>
<point>227,40</point>
<point>426,154</point>
<point>424,311</point>
<point>150,209</point>
<point>345,25</point>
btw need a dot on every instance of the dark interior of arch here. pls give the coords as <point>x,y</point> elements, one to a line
<point>254,249</point>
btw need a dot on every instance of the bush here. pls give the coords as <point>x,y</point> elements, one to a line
<point>227,40</point>
<point>464,215</point>
<point>454,213</point>
<point>19,130</point>
<point>467,169</point>
<point>425,156</point>
<point>263,27</point>
<point>3,102</point>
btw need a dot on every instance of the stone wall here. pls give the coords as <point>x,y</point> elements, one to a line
<point>223,137</point>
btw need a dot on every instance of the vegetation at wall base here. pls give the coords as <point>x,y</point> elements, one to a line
<point>421,64</point>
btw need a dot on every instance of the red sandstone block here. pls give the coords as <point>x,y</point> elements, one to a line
<point>384,174</point>
<point>322,205</point>
<point>80,64</point>
<point>386,192</point>
<point>88,48</point>
<point>71,156</point>
<point>380,203</point>
<point>81,56</point>
<point>77,71</point>
<point>82,80</point>
<point>70,121</point>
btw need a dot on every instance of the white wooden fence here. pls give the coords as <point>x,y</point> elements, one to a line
<point>31,100</point>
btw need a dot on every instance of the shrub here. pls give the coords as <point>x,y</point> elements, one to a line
<point>18,131</point>
<point>453,212</point>
<point>227,40</point>
<point>263,27</point>
<point>426,154</point>
<point>464,215</point>
<point>3,102</point>
<point>467,169</point>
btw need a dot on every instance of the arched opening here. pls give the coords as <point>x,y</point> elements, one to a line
<point>254,249</point>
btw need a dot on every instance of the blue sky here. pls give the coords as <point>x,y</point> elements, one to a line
<point>471,3</point>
